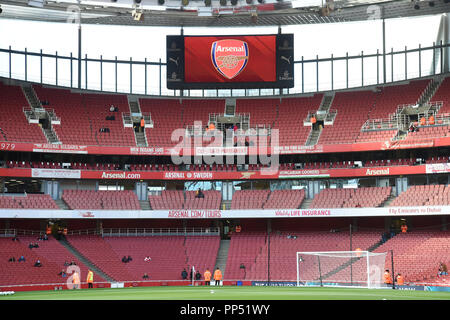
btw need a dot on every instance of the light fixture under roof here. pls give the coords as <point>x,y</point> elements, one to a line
<point>36,3</point>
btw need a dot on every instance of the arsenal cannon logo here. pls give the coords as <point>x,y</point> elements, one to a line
<point>229,57</point>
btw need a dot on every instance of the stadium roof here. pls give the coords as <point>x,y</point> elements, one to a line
<point>196,14</point>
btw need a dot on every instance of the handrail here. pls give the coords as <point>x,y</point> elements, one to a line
<point>434,71</point>
<point>130,232</point>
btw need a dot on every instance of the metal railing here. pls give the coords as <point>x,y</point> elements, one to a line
<point>6,233</point>
<point>380,124</point>
<point>361,70</point>
<point>145,232</point>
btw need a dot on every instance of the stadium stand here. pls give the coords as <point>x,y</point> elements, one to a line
<point>28,201</point>
<point>51,254</point>
<point>351,198</point>
<point>423,195</point>
<point>14,126</point>
<point>101,200</point>
<point>83,115</point>
<point>198,251</point>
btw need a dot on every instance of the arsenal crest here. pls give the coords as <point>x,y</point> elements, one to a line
<point>229,57</point>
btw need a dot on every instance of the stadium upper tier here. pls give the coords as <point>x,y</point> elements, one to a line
<point>39,114</point>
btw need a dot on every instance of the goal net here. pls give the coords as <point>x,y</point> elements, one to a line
<point>341,268</point>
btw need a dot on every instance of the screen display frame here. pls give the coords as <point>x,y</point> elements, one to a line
<point>176,75</point>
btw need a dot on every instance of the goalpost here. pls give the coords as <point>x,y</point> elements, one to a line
<point>341,268</point>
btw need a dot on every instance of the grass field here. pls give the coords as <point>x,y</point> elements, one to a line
<point>229,293</point>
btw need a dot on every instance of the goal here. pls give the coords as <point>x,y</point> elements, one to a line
<point>341,268</point>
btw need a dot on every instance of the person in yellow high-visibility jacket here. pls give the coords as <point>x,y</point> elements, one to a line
<point>207,276</point>
<point>217,276</point>
<point>90,279</point>
<point>76,280</point>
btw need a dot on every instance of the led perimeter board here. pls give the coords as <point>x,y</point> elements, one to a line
<point>230,62</point>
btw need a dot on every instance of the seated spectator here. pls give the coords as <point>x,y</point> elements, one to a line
<point>38,263</point>
<point>145,276</point>
<point>129,259</point>
<point>184,274</point>
<point>431,120</point>
<point>199,194</point>
<point>423,121</point>
<point>198,276</point>
<point>443,271</point>
<point>411,128</point>
<point>112,109</point>
<point>30,246</point>
<point>45,238</point>
<point>15,238</point>
<point>12,259</point>
<point>110,118</point>
<point>73,263</point>
<point>147,259</point>
<point>22,258</point>
<point>36,245</point>
<point>62,274</point>
<point>66,264</point>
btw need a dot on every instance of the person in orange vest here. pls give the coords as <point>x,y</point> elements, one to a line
<point>358,252</point>
<point>217,276</point>
<point>238,229</point>
<point>212,126</point>
<point>76,280</point>
<point>387,277</point>
<point>90,279</point>
<point>65,231</point>
<point>431,120</point>
<point>207,276</point>
<point>400,280</point>
<point>313,121</point>
<point>404,228</point>
<point>48,230</point>
<point>141,128</point>
<point>423,121</point>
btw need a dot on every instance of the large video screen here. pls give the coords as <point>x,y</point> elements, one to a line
<point>215,62</point>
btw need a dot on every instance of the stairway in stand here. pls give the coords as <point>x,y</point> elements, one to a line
<point>222,256</point>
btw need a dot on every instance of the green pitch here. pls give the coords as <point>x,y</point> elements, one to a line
<point>229,293</point>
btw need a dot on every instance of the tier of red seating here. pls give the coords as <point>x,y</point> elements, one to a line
<point>185,252</point>
<point>417,254</point>
<point>51,254</point>
<point>101,200</point>
<point>351,198</point>
<point>14,126</point>
<point>82,115</point>
<point>423,195</point>
<point>177,199</point>
<point>28,201</point>
<point>356,107</point>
